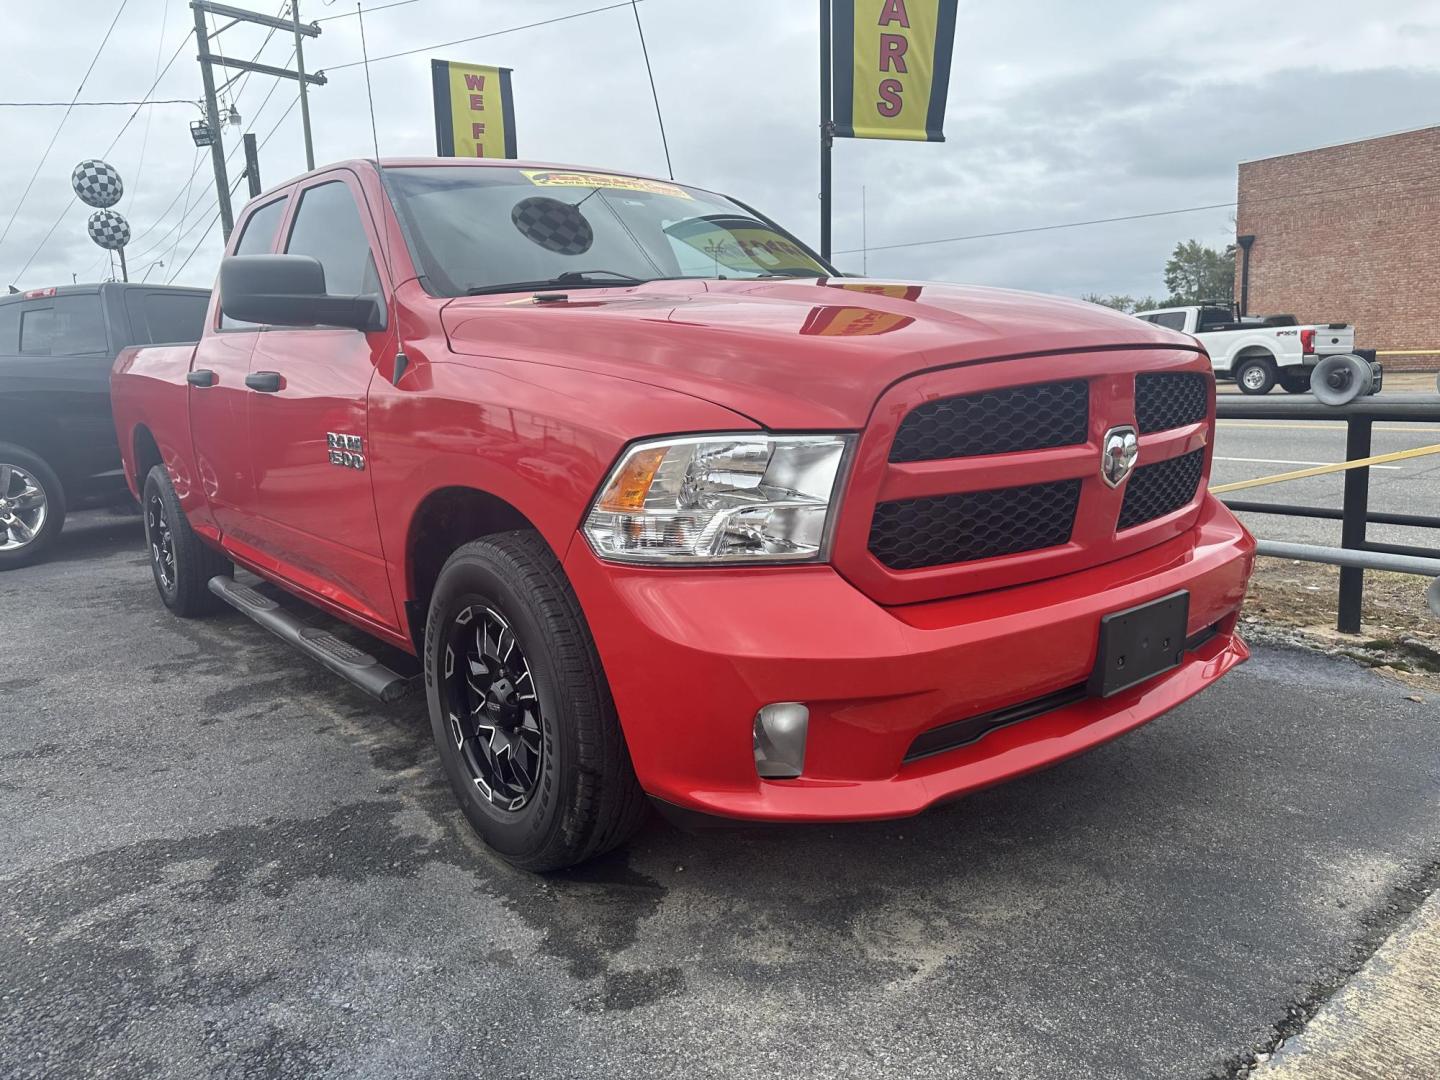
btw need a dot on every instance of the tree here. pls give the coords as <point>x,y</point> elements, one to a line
<point>1196,273</point>
<point>1121,302</point>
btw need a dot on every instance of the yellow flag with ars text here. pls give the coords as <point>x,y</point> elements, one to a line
<point>892,68</point>
<point>474,110</point>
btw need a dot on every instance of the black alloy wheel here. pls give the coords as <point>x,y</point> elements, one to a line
<point>520,708</point>
<point>182,563</point>
<point>493,707</point>
<point>161,539</point>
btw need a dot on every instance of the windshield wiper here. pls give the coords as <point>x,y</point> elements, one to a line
<point>585,279</point>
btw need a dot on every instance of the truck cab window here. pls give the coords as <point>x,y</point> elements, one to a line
<point>1213,318</point>
<point>1171,320</point>
<point>64,326</point>
<point>327,227</point>
<point>158,317</point>
<point>258,238</point>
<point>37,330</point>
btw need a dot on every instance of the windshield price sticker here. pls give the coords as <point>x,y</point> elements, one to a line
<point>547,178</point>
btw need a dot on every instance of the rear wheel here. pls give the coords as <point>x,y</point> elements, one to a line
<point>1255,375</point>
<point>32,506</point>
<point>520,709</point>
<point>182,563</point>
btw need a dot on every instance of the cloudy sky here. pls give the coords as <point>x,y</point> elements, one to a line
<point>1059,111</point>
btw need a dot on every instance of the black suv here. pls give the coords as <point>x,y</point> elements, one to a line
<point>57,437</point>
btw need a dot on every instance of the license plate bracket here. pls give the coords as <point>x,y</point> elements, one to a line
<point>1139,643</point>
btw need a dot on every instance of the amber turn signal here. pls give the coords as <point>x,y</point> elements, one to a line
<point>628,487</point>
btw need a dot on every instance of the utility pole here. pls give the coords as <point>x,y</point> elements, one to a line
<point>252,164</point>
<point>212,117</point>
<point>304,97</point>
<point>208,62</point>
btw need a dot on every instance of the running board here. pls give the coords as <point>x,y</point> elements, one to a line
<point>341,657</point>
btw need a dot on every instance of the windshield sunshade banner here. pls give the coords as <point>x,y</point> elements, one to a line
<point>474,110</point>
<point>892,68</point>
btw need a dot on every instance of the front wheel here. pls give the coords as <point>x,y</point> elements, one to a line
<point>32,506</point>
<point>182,563</point>
<point>1256,376</point>
<point>520,708</point>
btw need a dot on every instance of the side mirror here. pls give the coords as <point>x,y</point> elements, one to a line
<point>289,290</point>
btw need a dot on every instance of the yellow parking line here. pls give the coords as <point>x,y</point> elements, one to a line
<point>1291,426</point>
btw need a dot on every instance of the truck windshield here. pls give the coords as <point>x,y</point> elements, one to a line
<point>494,229</point>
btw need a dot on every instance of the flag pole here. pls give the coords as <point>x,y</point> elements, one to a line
<point>827,129</point>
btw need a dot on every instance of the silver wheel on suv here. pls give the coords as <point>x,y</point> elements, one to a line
<point>24,507</point>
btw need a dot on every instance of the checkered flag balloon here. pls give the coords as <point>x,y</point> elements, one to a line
<point>97,183</point>
<point>109,229</point>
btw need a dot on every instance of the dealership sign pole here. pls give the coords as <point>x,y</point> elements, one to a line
<point>884,74</point>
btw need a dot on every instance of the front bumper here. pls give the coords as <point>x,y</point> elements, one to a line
<point>691,655</point>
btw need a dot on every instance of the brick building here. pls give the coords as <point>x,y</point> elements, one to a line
<point>1350,233</point>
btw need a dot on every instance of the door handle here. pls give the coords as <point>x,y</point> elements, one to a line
<point>200,377</point>
<point>266,382</point>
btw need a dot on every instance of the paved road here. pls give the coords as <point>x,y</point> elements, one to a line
<point>217,860</point>
<point>1251,448</point>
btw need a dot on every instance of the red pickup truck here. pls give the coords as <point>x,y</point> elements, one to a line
<point>664,505</point>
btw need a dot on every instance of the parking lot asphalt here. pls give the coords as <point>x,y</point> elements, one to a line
<point>218,860</point>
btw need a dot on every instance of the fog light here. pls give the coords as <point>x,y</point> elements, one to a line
<point>780,731</point>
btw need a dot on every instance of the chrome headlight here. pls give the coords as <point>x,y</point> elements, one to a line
<point>720,498</point>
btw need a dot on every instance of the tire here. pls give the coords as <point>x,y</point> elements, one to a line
<point>1294,381</point>
<point>181,562</point>
<point>32,507</point>
<point>1256,375</point>
<point>508,657</point>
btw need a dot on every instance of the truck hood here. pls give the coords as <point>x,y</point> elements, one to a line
<point>787,354</point>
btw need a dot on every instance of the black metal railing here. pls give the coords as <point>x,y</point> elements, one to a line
<point>1354,513</point>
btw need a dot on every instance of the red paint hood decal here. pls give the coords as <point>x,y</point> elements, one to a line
<point>789,354</point>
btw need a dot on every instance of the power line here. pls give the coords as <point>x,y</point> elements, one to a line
<point>1034,229</point>
<point>58,127</point>
<point>118,135</point>
<point>90,104</point>
<point>367,11</point>
<point>1137,217</point>
<point>210,224</point>
<point>145,139</point>
<point>185,210</point>
<point>481,37</point>
<point>186,187</point>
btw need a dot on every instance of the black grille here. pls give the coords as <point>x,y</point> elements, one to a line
<point>943,529</point>
<point>1170,400</point>
<point>995,422</point>
<point>1160,489</point>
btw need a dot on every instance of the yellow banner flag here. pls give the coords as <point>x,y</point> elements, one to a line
<point>474,110</point>
<point>892,68</point>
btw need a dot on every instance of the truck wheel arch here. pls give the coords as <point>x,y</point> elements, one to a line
<point>40,438</point>
<point>447,519</point>
<point>1252,352</point>
<point>146,455</point>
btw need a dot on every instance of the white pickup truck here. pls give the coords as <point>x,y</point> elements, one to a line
<point>1257,352</point>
